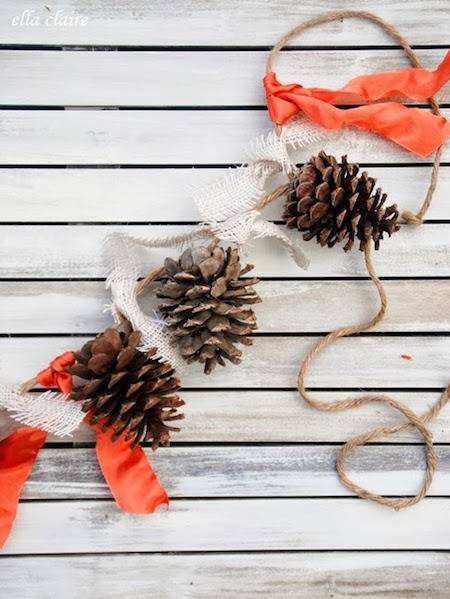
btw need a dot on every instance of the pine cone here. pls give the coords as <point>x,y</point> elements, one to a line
<point>330,202</point>
<point>207,304</point>
<point>133,392</point>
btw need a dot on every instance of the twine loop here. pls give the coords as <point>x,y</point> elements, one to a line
<point>409,218</point>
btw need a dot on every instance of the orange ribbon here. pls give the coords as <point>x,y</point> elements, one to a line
<point>416,130</point>
<point>55,375</point>
<point>130,476</point>
<point>131,479</point>
<point>17,455</point>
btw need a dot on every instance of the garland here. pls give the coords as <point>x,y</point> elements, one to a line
<point>124,383</point>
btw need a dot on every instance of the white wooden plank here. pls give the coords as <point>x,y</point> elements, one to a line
<point>397,575</point>
<point>75,251</point>
<point>164,137</point>
<point>274,362</point>
<point>89,195</point>
<point>229,525</point>
<point>244,472</point>
<point>78,307</point>
<point>232,22</point>
<point>279,417</point>
<point>53,78</point>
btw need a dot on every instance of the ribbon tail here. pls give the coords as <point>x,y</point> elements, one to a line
<point>130,476</point>
<point>415,83</point>
<point>414,129</point>
<point>18,453</point>
<point>264,228</point>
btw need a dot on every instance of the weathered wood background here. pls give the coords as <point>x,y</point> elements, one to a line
<point>108,126</point>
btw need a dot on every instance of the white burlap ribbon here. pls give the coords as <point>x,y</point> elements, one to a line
<point>227,209</point>
<point>124,269</point>
<point>49,411</point>
<point>229,205</point>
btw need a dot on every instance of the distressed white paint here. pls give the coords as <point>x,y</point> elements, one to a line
<point>75,251</point>
<point>229,525</point>
<point>78,307</point>
<point>196,79</point>
<point>165,195</point>
<point>164,137</point>
<point>272,416</point>
<point>282,417</point>
<point>269,471</point>
<point>397,575</point>
<point>138,22</point>
<point>274,362</point>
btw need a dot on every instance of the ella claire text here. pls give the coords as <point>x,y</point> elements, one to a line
<point>30,18</point>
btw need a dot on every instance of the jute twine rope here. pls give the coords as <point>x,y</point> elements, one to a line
<point>407,217</point>
<point>413,420</point>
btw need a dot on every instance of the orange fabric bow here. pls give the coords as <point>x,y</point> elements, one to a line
<point>130,476</point>
<point>55,375</point>
<point>416,130</point>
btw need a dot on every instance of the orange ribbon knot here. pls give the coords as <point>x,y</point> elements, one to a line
<point>417,130</point>
<point>55,374</point>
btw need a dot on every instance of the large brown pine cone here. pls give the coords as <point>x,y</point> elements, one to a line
<point>207,304</point>
<point>331,202</point>
<point>130,391</point>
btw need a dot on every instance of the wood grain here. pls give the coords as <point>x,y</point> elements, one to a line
<point>397,575</point>
<point>177,23</point>
<point>274,362</point>
<point>269,471</point>
<point>279,417</point>
<point>165,137</point>
<point>78,307</point>
<point>75,252</point>
<point>264,480</point>
<point>229,525</point>
<point>165,195</point>
<point>196,79</point>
